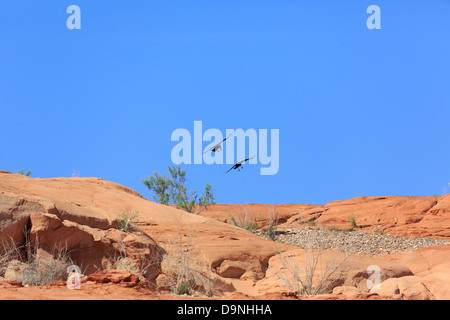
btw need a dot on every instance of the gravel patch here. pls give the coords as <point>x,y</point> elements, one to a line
<point>364,243</point>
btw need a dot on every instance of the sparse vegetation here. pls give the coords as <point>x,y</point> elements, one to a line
<point>272,225</point>
<point>140,267</point>
<point>75,173</point>
<point>352,221</point>
<point>173,191</point>
<point>9,252</point>
<point>183,289</point>
<point>181,267</point>
<point>271,232</point>
<point>312,223</point>
<point>378,229</point>
<point>249,225</point>
<point>32,265</point>
<point>332,228</point>
<point>209,280</point>
<point>126,222</point>
<point>185,270</point>
<point>45,270</point>
<point>316,277</point>
<point>245,219</point>
<point>22,172</point>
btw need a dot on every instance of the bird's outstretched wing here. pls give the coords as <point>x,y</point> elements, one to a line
<point>226,138</point>
<point>233,167</point>
<point>241,162</point>
<point>217,145</point>
<point>210,149</point>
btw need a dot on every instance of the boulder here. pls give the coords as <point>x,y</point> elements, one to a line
<point>438,284</point>
<point>335,269</point>
<point>406,288</point>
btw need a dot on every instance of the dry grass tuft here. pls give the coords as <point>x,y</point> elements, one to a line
<point>32,265</point>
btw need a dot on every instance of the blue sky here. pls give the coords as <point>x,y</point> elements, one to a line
<point>360,112</point>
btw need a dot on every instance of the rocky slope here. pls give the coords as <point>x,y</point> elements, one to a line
<point>81,215</point>
<point>395,215</point>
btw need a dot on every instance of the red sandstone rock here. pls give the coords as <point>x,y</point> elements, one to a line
<point>81,214</point>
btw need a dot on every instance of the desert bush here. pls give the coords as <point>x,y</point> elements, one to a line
<point>186,271</point>
<point>316,276</point>
<point>352,221</point>
<point>9,252</point>
<point>272,225</point>
<point>174,191</point>
<point>249,225</point>
<point>22,172</point>
<point>312,223</point>
<point>126,222</point>
<point>181,267</point>
<point>47,269</point>
<point>244,219</point>
<point>38,267</point>
<point>140,266</point>
<point>119,260</point>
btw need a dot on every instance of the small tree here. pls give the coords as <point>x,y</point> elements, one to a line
<point>159,185</point>
<point>173,191</point>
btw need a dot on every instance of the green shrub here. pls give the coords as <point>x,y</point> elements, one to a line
<point>352,221</point>
<point>173,191</point>
<point>183,289</point>
<point>125,223</point>
<point>22,172</point>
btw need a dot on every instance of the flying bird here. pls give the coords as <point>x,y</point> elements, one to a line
<point>238,165</point>
<point>218,146</point>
